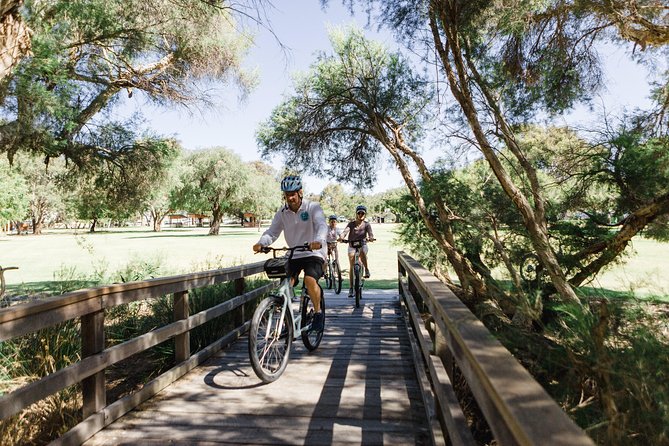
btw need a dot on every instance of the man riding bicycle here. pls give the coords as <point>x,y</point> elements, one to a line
<point>358,229</point>
<point>301,221</point>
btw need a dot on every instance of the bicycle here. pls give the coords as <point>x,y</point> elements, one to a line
<point>274,324</point>
<point>332,270</point>
<point>358,269</point>
<point>4,302</point>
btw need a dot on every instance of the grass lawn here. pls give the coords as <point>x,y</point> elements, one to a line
<point>67,254</point>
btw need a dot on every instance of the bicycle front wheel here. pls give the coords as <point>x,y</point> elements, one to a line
<point>336,277</point>
<point>357,286</point>
<point>311,338</point>
<point>269,345</point>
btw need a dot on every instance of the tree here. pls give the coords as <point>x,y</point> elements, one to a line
<point>86,53</point>
<point>45,198</point>
<point>119,184</point>
<point>214,181</point>
<point>350,106</point>
<point>506,62</point>
<point>262,194</point>
<point>158,202</point>
<point>334,200</point>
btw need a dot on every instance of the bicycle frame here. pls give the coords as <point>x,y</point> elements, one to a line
<point>286,291</point>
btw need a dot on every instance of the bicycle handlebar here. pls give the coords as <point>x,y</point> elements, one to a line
<point>267,249</point>
<point>345,240</point>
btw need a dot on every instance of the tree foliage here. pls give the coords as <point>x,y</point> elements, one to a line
<point>85,54</point>
<point>213,182</point>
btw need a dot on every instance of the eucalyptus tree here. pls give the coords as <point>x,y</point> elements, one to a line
<point>86,54</point>
<point>118,184</point>
<point>350,106</point>
<point>214,182</point>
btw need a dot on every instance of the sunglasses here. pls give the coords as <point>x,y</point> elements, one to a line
<point>361,213</point>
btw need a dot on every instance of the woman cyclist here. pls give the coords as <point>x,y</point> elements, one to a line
<point>358,229</point>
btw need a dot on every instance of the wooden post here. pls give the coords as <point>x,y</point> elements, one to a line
<point>400,273</point>
<point>93,342</point>
<point>240,286</point>
<point>182,341</point>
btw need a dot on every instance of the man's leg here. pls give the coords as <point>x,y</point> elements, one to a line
<point>314,292</point>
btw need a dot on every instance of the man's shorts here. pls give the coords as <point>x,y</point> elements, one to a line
<point>312,267</point>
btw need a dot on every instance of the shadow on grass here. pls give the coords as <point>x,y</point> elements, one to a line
<point>48,287</point>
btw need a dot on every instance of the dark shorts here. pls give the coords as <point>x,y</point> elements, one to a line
<point>312,267</point>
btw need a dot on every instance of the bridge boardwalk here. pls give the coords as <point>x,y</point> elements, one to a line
<point>359,387</point>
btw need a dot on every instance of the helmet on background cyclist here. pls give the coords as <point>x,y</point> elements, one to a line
<point>361,208</point>
<point>291,183</point>
<point>332,217</point>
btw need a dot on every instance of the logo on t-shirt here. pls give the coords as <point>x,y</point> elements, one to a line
<point>304,216</point>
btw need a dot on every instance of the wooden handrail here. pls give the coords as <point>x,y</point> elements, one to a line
<point>89,305</point>
<point>517,409</point>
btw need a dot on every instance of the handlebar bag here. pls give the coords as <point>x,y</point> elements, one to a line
<point>275,268</point>
<point>357,243</point>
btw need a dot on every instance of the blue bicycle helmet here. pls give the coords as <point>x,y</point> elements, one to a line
<point>361,208</point>
<point>332,217</point>
<point>291,183</point>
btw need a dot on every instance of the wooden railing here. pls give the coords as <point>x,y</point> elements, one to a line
<point>89,306</point>
<point>517,409</point>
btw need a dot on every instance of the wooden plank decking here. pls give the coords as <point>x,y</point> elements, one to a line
<point>359,387</point>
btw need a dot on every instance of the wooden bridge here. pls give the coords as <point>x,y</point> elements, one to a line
<point>381,375</point>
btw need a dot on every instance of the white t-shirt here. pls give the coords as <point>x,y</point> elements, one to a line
<point>304,226</point>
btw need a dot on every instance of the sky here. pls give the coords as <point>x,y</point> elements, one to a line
<point>301,25</point>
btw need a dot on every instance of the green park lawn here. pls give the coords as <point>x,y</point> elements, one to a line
<point>59,255</point>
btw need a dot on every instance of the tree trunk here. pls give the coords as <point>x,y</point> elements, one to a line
<point>93,223</point>
<point>458,80</point>
<point>38,224</point>
<point>14,36</point>
<point>216,217</point>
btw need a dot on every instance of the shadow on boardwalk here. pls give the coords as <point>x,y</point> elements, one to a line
<point>358,387</point>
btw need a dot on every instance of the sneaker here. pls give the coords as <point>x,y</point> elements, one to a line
<point>367,273</point>
<point>318,323</point>
<point>350,292</point>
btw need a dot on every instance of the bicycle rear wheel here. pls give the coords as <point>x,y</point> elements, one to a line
<point>269,348</point>
<point>336,277</point>
<point>311,338</point>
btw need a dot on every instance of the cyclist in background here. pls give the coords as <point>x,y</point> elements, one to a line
<point>302,221</point>
<point>333,236</point>
<point>358,229</point>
